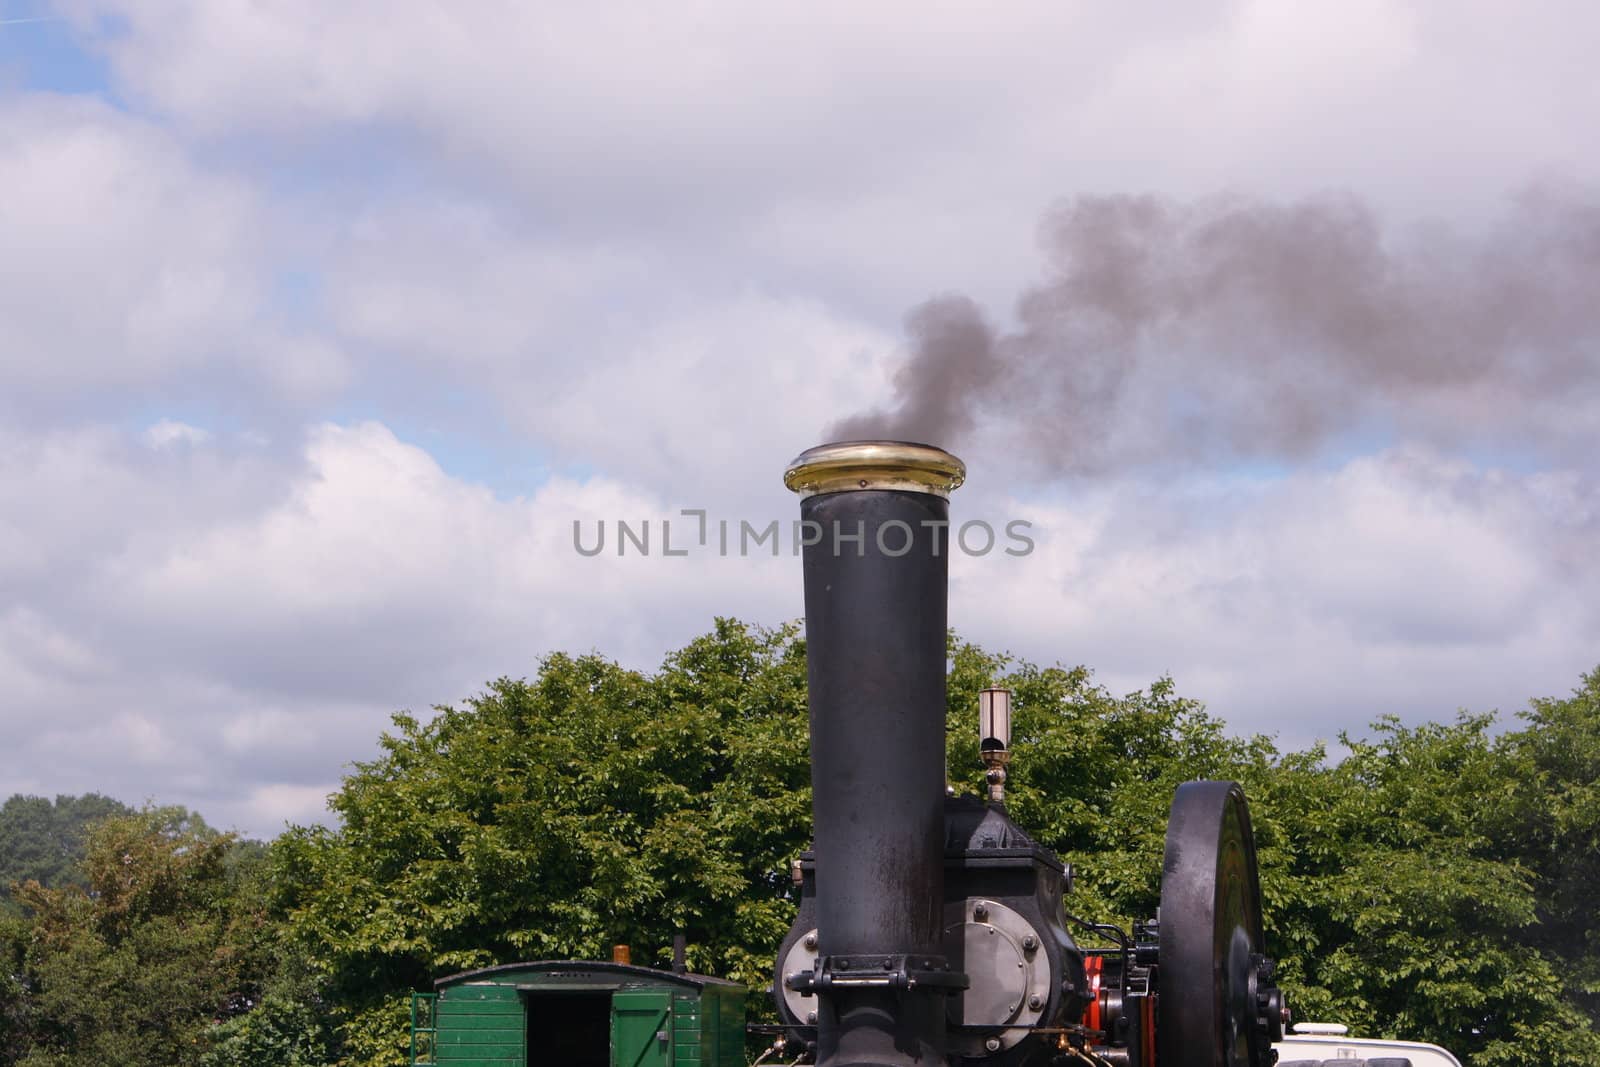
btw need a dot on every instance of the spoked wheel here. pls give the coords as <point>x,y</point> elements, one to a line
<point>1217,1007</point>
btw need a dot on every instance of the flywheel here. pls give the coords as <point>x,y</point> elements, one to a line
<point>1217,1006</point>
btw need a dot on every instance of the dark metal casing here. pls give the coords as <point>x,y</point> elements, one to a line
<point>989,863</point>
<point>992,863</point>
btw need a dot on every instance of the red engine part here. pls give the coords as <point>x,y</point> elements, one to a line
<point>1092,968</point>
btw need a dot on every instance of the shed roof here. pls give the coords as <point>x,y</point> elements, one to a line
<point>604,971</point>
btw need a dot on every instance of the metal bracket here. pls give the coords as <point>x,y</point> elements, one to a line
<point>901,974</point>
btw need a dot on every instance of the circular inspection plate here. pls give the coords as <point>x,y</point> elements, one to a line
<point>1009,983</point>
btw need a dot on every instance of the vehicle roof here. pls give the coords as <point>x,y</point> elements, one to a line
<point>1335,1046</point>
<point>611,973</point>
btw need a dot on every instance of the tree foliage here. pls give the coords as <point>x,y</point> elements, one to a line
<point>1433,882</point>
<point>554,818</point>
<point>1422,887</point>
<point>42,840</point>
<point>165,937</point>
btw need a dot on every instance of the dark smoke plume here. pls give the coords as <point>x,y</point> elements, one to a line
<point>1234,328</point>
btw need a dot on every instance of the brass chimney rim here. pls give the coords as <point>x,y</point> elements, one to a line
<point>853,466</point>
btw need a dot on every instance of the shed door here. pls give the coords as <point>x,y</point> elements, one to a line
<point>641,1028</point>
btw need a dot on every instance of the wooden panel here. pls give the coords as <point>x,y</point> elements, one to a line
<point>639,1020</point>
<point>482,1026</point>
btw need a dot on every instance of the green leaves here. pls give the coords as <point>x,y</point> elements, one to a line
<point>554,817</point>
<point>1436,883</point>
<point>42,840</point>
<point>166,935</point>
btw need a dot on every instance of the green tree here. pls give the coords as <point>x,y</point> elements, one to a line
<point>1550,823</point>
<point>42,840</point>
<point>593,805</point>
<point>1436,884</point>
<point>287,1025</point>
<point>553,818</point>
<point>15,1022</point>
<point>1425,886</point>
<point>167,936</point>
<point>1415,925</point>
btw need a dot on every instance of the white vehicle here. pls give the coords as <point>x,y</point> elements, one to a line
<point>1329,1045</point>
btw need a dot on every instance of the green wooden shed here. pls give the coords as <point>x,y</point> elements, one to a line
<point>578,1014</point>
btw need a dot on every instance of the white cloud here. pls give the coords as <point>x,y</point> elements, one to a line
<point>458,283</point>
<point>168,433</point>
<point>237,655</point>
<point>237,661</point>
<point>693,403</point>
<point>612,356</point>
<point>278,804</point>
<point>543,205</point>
<point>127,263</point>
<point>665,247</point>
<point>663,115</point>
<point>1404,582</point>
<point>122,253</point>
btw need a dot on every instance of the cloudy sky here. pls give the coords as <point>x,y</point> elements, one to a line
<point>321,324</point>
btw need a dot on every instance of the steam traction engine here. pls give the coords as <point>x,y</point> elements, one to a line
<point>932,928</point>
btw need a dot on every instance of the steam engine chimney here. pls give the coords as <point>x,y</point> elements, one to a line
<point>875,537</point>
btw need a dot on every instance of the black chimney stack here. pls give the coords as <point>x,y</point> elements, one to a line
<point>875,535</point>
